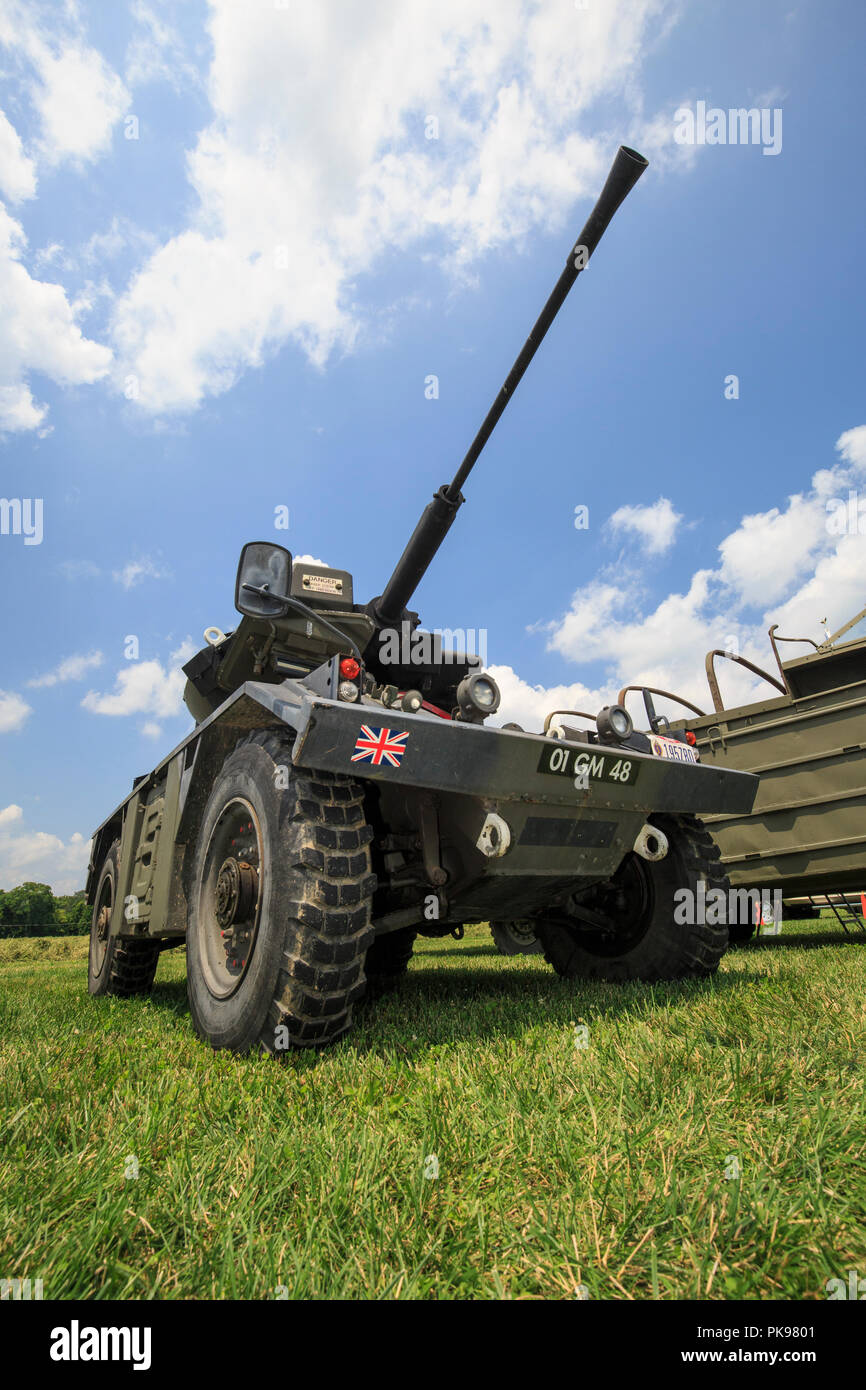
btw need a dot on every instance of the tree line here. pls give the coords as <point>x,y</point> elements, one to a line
<point>32,909</point>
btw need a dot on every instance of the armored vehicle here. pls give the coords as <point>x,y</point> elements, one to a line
<point>343,791</point>
<point>805,837</point>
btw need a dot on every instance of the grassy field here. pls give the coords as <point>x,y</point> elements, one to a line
<point>607,1170</point>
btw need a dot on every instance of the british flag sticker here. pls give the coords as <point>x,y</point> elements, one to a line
<point>379,746</point>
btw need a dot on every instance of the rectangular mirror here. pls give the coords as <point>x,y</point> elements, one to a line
<point>263,566</point>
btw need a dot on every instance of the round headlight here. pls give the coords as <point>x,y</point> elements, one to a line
<point>614,724</point>
<point>477,696</point>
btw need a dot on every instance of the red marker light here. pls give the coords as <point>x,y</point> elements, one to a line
<point>349,668</point>
<point>690,738</point>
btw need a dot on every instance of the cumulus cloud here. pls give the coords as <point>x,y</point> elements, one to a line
<point>13,711</point>
<point>852,447</point>
<point>528,705</point>
<point>17,171</point>
<point>35,855</point>
<point>655,526</point>
<point>38,333</point>
<point>146,687</point>
<point>72,668</point>
<point>787,565</point>
<point>289,212</point>
<point>75,94</point>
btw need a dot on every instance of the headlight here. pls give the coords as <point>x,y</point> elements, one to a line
<point>614,724</point>
<point>477,696</point>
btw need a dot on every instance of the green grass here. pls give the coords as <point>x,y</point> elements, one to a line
<point>558,1166</point>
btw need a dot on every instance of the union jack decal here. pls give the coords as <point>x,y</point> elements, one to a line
<point>379,745</point>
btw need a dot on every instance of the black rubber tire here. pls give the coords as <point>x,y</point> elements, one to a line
<point>668,950</point>
<point>306,969</point>
<point>128,967</point>
<point>389,956</point>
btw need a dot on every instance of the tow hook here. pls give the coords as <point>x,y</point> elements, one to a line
<point>651,843</point>
<point>495,837</point>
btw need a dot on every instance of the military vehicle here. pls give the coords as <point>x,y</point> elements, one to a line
<point>804,840</point>
<point>338,796</point>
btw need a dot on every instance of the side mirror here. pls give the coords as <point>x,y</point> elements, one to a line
<point>263,566</point>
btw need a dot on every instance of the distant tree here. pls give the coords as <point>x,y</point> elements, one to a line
<point>72,909</point>
<point>30,905</point>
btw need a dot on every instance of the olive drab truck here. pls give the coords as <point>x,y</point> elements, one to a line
<point>334,801</point>
<point>803,842</point>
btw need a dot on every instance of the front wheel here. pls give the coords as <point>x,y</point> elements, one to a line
<point>652,920</point>
<point>279,902</point>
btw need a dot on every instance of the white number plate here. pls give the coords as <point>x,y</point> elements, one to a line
<point>673,749</point>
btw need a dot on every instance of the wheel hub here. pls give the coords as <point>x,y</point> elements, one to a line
<point>102,922</point>
<point>237,892</point>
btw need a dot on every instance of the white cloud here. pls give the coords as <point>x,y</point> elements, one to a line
<point>655,526</point>
<point>290,211</point>
<point>76,95</point>
<point>17,172</point>
<point>13,711</point>
<point>146,687</point>
<point>34,855</point>
<point>135,571</point>
<point>768,551</point>
<point>852,447</point>
<point>309,560</point>
<point>151,729</point>
<point>785,565</point>
<point>38,333</point>
<point>528,705</point>
<point>72,668</point>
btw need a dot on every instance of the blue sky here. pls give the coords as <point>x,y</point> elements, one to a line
<point>231,257</point>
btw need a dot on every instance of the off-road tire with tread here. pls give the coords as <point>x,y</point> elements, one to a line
<point>306,968</point>
<point>667,950</point>
<point>128,967</point>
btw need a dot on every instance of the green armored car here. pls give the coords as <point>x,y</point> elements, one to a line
<point>332,803</point>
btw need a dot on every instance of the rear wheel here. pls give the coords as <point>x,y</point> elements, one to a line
<point>389,956</point>
<point>115,965</point>
<point>279,902</point>
<point>516,938</point>
<point>639,925</point>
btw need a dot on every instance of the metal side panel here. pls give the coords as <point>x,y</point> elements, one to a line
<point>806,832</point>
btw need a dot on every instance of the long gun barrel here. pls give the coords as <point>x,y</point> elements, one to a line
<point>438,515</point>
